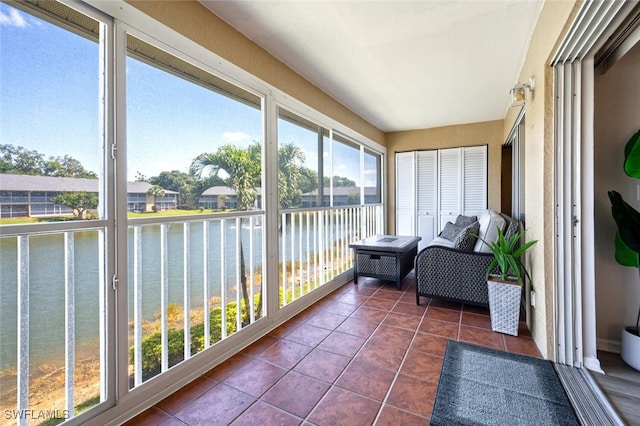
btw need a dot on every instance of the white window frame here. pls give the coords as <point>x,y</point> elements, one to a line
<point>574,274</point>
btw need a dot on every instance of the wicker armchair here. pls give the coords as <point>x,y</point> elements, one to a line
<point>450,274</point>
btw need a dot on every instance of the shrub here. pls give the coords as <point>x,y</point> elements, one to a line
<point>152,344</point>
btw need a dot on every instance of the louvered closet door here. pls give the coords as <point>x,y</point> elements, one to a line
<point>450,184</point>
<point>405,193</point>
<point>474,180</point>
<point>427,195</point>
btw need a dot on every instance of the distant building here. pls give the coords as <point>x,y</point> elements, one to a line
<point>31,196</point>
<point>222,197</point>
<point>138,199</point>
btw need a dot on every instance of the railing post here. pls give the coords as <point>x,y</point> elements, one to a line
<point>164,295</point>
<point>223,282</point>
<point>316,249</point>
<point>332,229</point>
<point>251,307</point>
<point>186,303</point>
<point>343,221</point>
<point>293,257</point>
<point>69,313</point>
<point>23,328</point>
<point>238,273</point>
<point>283,228</point>
<point>300,278</point>
<point>308,253</point>
<point>137,304</point>
<point>321,245</point>
<point>205,283</point>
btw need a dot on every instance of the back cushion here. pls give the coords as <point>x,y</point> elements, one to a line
<point>466,239</point>
<point>450,231</point>
<point>465,221</point>
<point>490,221</point>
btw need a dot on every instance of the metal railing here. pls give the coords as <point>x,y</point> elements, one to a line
<point>193,280</point>
<point>314,244</point>
<point>207,275</point>
<point>45,286</point>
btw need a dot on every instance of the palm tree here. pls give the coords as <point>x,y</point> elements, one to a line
<point>156,191</point>
<point>289,173</point>
<point>242,168</point>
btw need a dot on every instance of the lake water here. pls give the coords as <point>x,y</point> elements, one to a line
<point>47,291</point>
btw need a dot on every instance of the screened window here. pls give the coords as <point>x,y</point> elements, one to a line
<point>50,120</point>
<point>300,147</point>
<point>191,137</point>
<point>346,179</point>
<point>189,131</point>
<point>171,154</point>
<point>52,277</point>
<point>372,177</point>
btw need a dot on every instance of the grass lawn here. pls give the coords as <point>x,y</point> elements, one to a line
<point>130,215</point>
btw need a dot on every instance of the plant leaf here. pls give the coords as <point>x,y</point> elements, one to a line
<point>632,156</point>
<point>514,267</point>
<point>523,248</point>
<point>624,255</point>
<point>627,219</point>
<point>492,265</point>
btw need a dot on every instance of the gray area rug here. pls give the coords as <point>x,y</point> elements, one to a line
<point>482,386</point>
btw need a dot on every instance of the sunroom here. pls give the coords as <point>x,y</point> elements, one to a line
<point>105,315</point>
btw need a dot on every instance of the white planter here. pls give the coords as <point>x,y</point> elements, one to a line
<point>504,305</point>
<point>630,348</point>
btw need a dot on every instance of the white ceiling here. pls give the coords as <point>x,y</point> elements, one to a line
<point>400,65</point>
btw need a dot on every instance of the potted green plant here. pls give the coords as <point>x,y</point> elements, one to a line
<point>504,281</point>
<point>627,245</point>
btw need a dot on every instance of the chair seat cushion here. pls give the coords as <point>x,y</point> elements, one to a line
<point>439,241</point>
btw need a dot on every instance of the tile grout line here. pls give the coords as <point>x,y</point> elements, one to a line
<point>368,339</point>
<point>397,373</point>
<point>334,383</point>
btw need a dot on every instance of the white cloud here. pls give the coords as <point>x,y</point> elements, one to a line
<point>236,137</point>
<point>13,19</point>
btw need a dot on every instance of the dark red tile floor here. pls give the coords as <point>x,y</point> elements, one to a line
<point>365,354</point>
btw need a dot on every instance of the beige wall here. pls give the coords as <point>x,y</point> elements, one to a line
<point>194,21</point>
<point>486,133</point>
<point>555,18</point>
<point>617,118</point>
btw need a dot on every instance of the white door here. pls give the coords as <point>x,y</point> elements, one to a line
<point>450,182</point>
<point>474,180</point>
<point>575,303</point>
<point>427,195</point>
<point>405,193</point>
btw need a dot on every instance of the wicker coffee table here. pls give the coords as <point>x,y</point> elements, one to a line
<point>388,257</point>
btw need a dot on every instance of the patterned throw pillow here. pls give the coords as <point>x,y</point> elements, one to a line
<point>450,231</point>
<point>464,221</point>
<point>466,239</point>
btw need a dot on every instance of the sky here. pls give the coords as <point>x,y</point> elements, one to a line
<point>49,102</point>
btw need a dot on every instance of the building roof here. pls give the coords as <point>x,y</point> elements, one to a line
<point>11,182</point>
<point>224,190</point>
<point>143,188</point>
<point>219,190</point>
